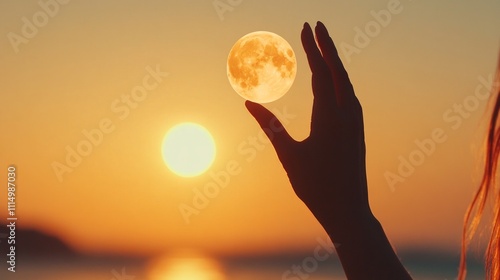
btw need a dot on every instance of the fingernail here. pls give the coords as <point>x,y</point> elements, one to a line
<point>321,25</point>
<point>249,104</point>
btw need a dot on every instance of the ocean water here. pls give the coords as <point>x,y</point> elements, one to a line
<point>264,268</point>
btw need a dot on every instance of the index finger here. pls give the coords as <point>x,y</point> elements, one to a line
<point>341,82</point>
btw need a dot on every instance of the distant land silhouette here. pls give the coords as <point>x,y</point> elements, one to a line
<point>32,243</point>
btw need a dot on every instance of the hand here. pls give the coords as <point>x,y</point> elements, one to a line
<point>327,170</point>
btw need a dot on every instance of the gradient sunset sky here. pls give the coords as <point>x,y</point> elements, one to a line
<point>423,72</point>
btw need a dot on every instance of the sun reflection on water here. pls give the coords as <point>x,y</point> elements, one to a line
<point>185,265</point>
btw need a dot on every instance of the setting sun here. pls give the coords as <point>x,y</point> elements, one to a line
<point>185,265</point>
<point>188,149</point>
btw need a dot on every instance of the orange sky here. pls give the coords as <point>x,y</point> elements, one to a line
<point>412,77</point>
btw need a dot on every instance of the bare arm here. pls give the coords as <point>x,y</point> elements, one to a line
<point>327,170</point>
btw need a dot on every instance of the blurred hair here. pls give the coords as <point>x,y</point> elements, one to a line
<point>488,190</point>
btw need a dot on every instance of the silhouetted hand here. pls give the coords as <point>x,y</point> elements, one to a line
<point>326,170</point>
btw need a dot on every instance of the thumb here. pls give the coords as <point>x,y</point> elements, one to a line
<point>273,128</point>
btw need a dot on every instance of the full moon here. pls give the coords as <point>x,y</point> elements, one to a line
<point>188,149</point>
<point>261,67</point>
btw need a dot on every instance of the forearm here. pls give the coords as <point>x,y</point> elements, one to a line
<point>364,250</point>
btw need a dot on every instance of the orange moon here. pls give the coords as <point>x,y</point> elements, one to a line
<point>261,67</point>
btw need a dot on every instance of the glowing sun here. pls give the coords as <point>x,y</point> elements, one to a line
<point>261,66</point>
<point>188,149</point>
<point>185,266</point>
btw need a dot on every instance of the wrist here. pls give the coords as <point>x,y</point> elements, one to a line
<point>348,225</point>
<point>365,244</point>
